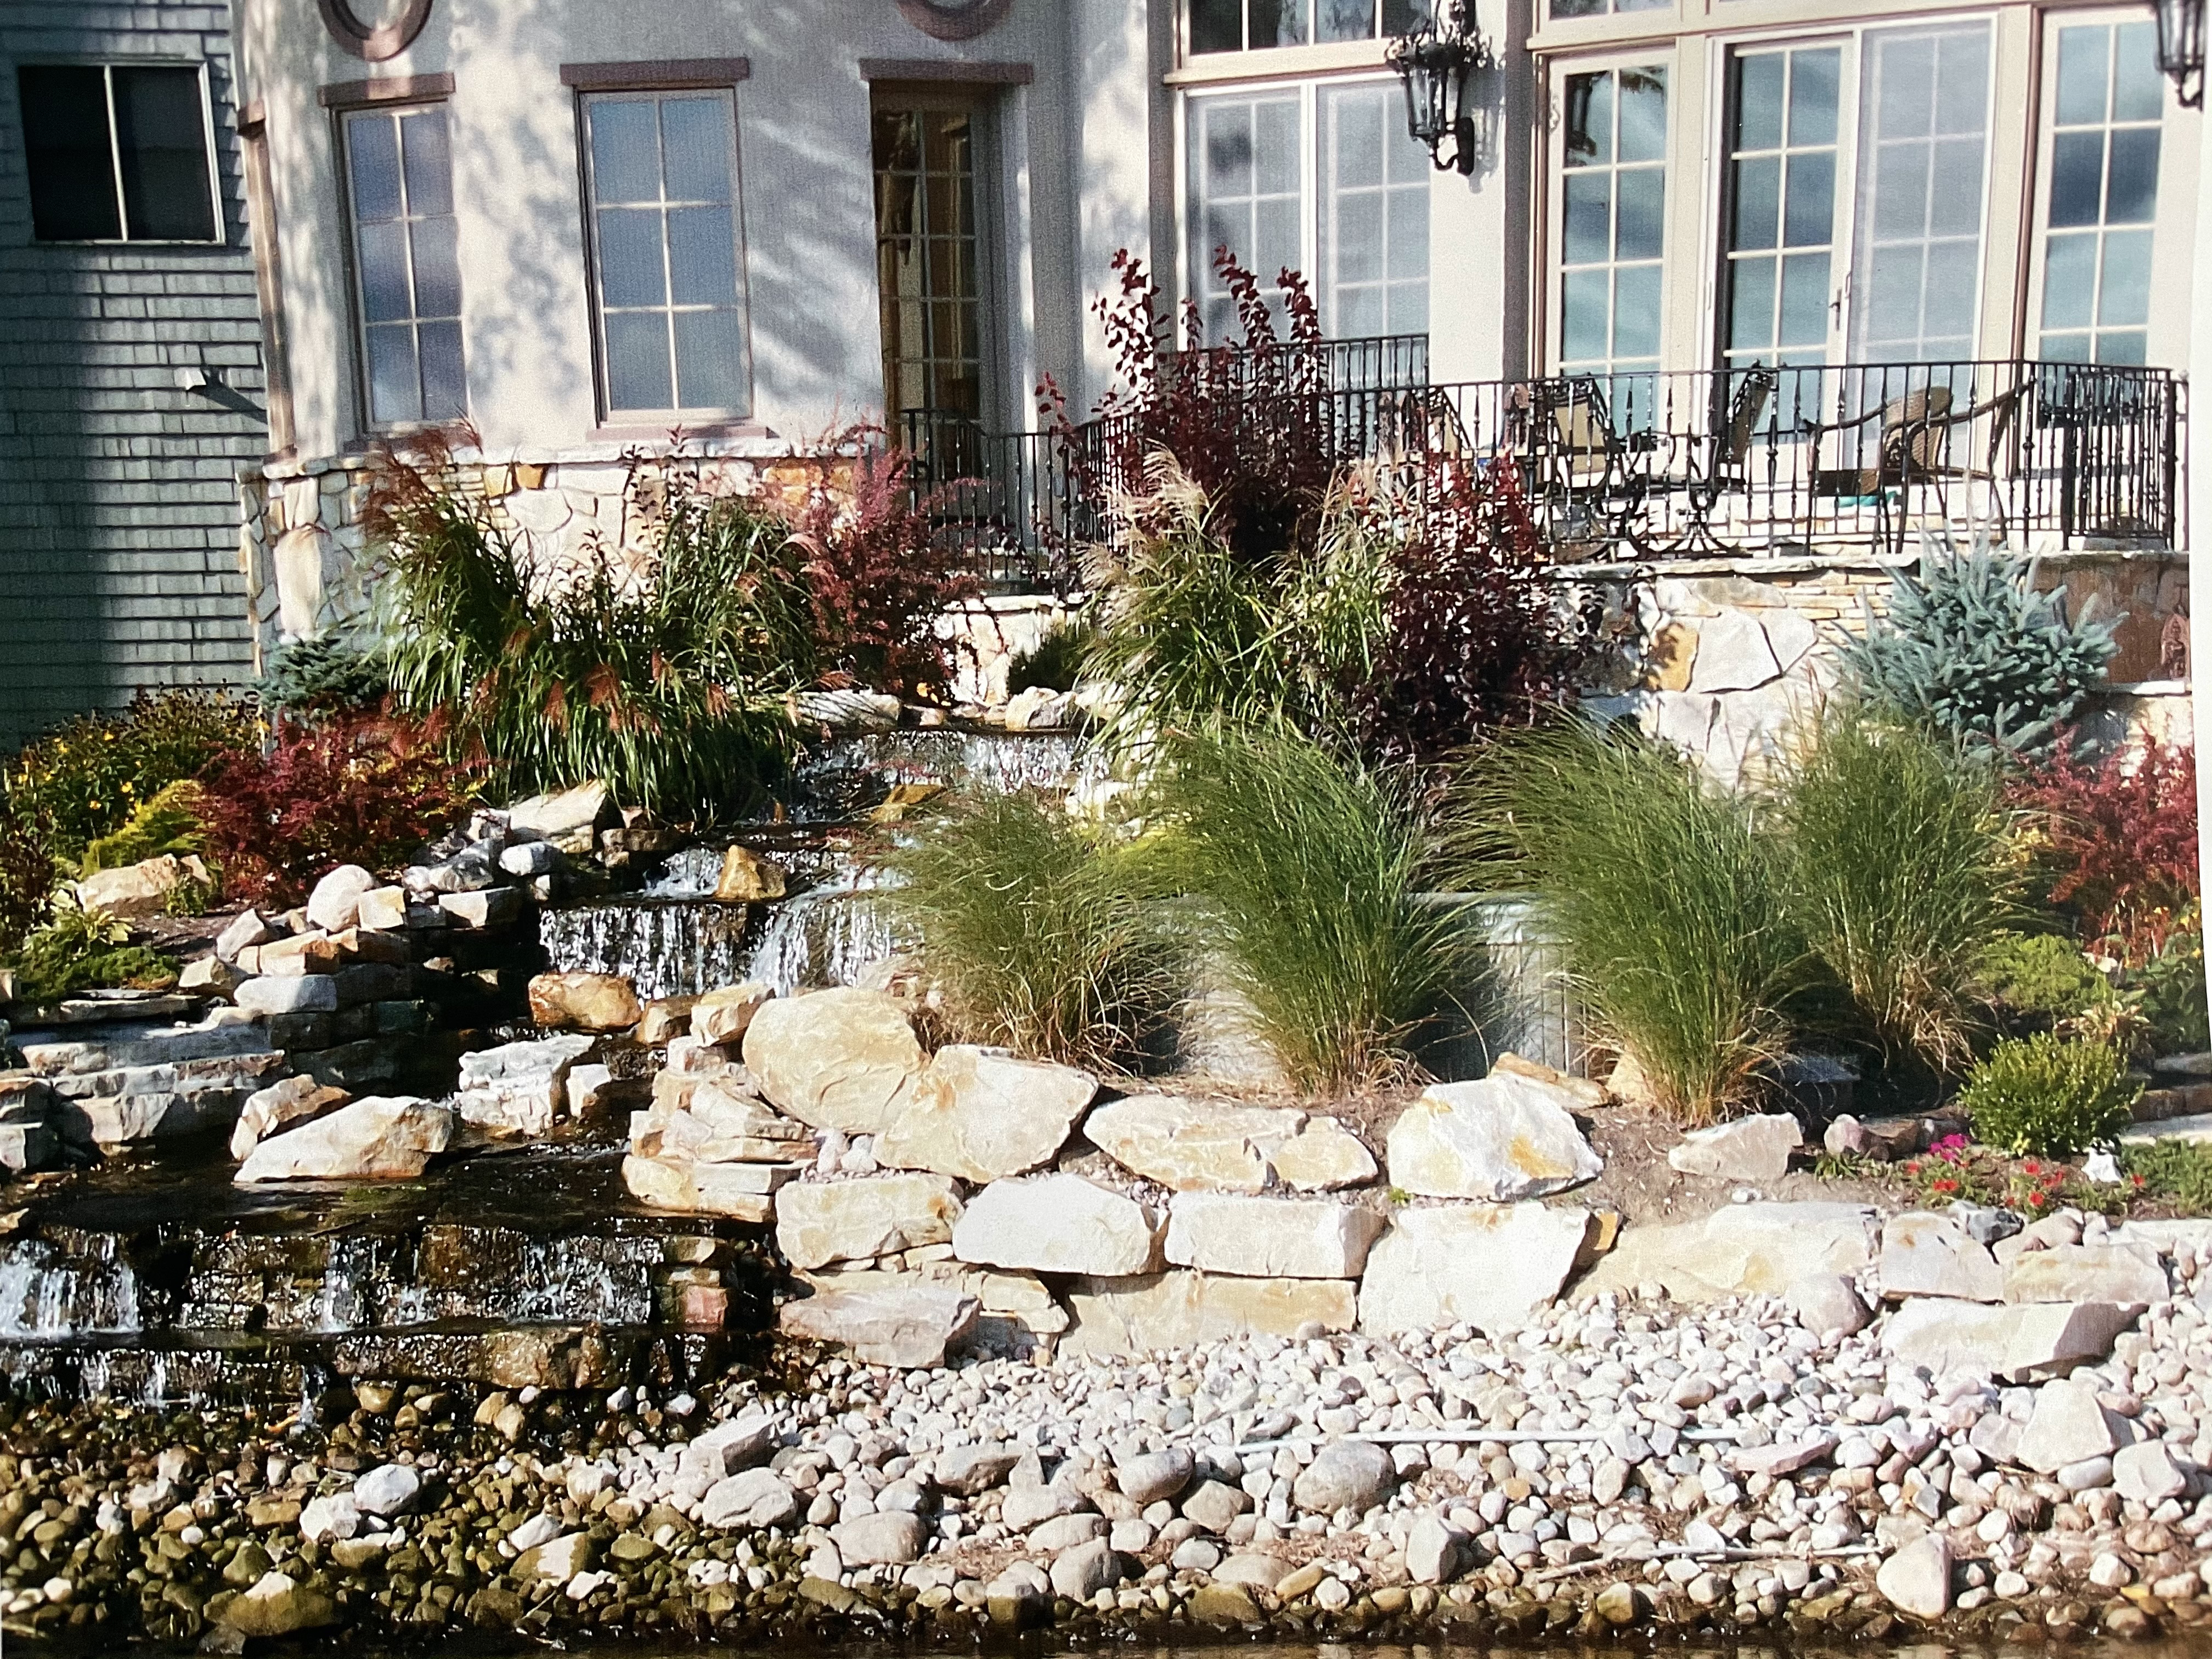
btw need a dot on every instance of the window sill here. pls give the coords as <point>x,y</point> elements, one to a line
<point>674,429</point>
<point>1271,61</point>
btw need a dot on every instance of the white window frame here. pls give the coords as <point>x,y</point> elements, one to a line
<point>1311,139</point>
<point>357,294</point>
<point>1552,235</point>
<point>610,413</point>
<point>1850,33</point>
<point>2166,327</point>
<point>108,66</point>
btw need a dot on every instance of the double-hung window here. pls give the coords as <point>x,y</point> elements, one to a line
<point>2104,100</point>
<point>667,270</point>
<point>1321,178</point>
<point>407,270</point>
<point>118,153</point>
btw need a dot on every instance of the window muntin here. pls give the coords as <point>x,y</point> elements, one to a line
<point>929,263</point>
<point>1256,25</point>
<point>666,265</point>
<point>1320,177</point>
<point>407,270</point>
<point>2101,194</point>
<point>1780,228</point>
<point>117,153</point>
<point>1923,144</point>
<point>1613,199</point>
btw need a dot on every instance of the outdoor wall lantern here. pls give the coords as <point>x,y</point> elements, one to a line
<point>2181,48</point>
<point>1435,60</point>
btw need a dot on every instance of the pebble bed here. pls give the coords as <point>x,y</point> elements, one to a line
<point>1606,1468</point>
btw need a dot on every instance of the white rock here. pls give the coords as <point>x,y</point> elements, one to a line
<point>2146,1474</point>
<point>840,1058</point>
<point>287,993</point>
<point>2016,1344</point>
<point>909,1328</point>
<point>323,1519</point>
<point>381,1137</point>
<point>1081,1573</point>
<point>1208,1145</point>
<point>1488,1265</point>
<point>565,812</point>
<point>1057,1223</point>
<point>1433,1551</point>
<point>2087,1273</point>
<point>890,1539</point>
<point>1270,1238</point>
<point>1748,1149</point>
<point>334,904</point>
<point>1741,1249</point>
<point>1507,1137</point>
<point>1828,1304</point>
<point>1925,1254</point>
<point>753,1499</point>
<point>388,1489</point>
<point>2067,1426</point>
<point>1917,1579</point>
<point>1179,1310</point>
<point>821,1222</point>
<point>982,1115</point>
<point>725,1015</point>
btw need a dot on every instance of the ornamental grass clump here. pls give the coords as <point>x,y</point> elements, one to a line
<point>1035,930</point>
<point>1668,902</point>
<point>2048,1095</point>
<point>1901,878</point>
<point>1303,873</point>
<point>661,671</point>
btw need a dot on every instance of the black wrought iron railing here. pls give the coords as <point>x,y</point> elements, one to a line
<point>1751,461</point>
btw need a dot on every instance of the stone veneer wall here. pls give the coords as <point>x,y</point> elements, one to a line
<point>1721,655</point>
<point>117,493</point>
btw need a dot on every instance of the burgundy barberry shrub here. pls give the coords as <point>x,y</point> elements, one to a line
<point>2119,842</point>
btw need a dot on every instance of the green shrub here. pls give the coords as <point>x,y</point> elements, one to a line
<point>1970,649</point>
<point>1304,873</point>
<point>666,682</point>
<point>322,673</point>
<point>2050,1096</point>
<point>2169,990</point>
<point>2174,1168</point>
<point>1055,661</point>
<point>79,950</point>
<point>169,822</point>
<point>1033,930</point>
<point>87,777</point>
<point>1668,905</point>
<point>2041,977</point>
<point>1900,875</point>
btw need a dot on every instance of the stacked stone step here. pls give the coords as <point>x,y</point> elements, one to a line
<point>710,1143</point>
<point>29,1138</point>
<point>113,1085</point>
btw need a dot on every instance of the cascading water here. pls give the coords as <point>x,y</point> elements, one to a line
<point>825,936</point>
<point>48,1295</point>
<point>831,784</point>
<point>664,947</point>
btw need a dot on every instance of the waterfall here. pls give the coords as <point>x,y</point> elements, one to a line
<point>47,1297</point>
<point>824,936</point>
<point>845,775</point>
<point>665,948</point>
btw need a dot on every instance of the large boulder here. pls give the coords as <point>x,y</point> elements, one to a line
<point>574,814</point>
<point>724,1015</point>
<point>910,1326</point>
<point>2087,1273</point>
<point>2018,1343</point>
<point>1925,1253</point>
<point>334,906</point>
<point>516,1090</point>
<point>748,879</point>
<point>1057,1223</point>
<point>1488,1265</point>
<point>141,889</point>
<point>1270,1238</point>
<point>585,1002</point>
<point>283,1105</point>
<point>1182,1310</point>
<point>1739,1249</point>
<point>1749,1149</point>
<point>1344,1475</point>
<point>838,1059</point>
<point>383,1138</point>
<point>818,1222</point>
<point>982,1115</point>
<point>2069,1425</point>
<point>1209,1145</point>
<point>1506,1138</point>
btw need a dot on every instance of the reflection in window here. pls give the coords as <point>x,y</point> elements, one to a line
<point>116,154</point>
<point>1255,25</point>
<point>1613,196</point>
<point>1245,195</point>
<point>1781,205</point>
<point>1374,215</point>
<point>407,265</point>
<point>1600,7</point>
<point>665,251</point>
<point>2103,194</point>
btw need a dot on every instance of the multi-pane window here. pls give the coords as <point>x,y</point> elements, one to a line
<point>1254,25</point>
<point>1613,215</point>
<point>1374,215</point>
<point>406,265</point>
<point>117,153</point>
<point>1924,127</point>
<point>928,260</point>
<point>2103,193</point>
<point>1600,7</point>
<point>1781,205</point>
<point>663,170</point>
<point>1322,179</point>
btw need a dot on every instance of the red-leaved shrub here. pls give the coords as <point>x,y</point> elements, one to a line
<point>877,579</point>
<point>356,789</point>
<point>2119,842</point>
<point>1472,640</point>
<point>1252,423</point>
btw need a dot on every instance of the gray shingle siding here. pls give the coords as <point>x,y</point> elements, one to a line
<point>118,503</point>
